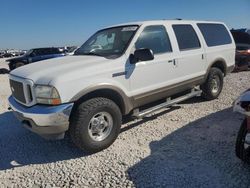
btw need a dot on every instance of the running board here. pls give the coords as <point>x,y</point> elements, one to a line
<point>140,114</point>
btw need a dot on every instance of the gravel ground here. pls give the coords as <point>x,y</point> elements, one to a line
<point>190,145</point>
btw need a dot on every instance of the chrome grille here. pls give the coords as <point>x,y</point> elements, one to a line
<point>17,90</point>
<point>22,90</point>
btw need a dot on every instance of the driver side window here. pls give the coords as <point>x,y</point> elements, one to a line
<point>154,38</point>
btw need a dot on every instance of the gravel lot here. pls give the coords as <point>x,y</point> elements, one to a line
<point>190,145</point>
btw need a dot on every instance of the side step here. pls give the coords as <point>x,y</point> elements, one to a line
<point>169,102</point>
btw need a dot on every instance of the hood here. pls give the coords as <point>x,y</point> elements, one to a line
<point>43,72</point>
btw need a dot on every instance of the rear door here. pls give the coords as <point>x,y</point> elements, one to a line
<point>191,60</point>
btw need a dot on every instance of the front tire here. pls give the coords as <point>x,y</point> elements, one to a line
<point>19,64</point>
<point>14,65</point>
<point>241,149</point>
<point>95,124</point>
<point>212,88</point>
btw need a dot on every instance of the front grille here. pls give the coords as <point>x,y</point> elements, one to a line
<point>17,90</point>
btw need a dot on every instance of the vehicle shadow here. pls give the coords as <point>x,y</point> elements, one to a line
<point>19,147</point>
<point>194,100</point>
<point>201,154</point>
<point>4,71</point>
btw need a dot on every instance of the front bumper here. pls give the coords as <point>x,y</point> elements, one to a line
<point>43,120</point>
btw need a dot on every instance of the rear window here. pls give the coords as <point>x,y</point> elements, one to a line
<point>214,34</point>
<point>186,37</point>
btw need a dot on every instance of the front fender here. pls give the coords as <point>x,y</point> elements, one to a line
<point>128,105</point>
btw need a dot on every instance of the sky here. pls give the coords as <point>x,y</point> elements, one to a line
<point>26,24</point>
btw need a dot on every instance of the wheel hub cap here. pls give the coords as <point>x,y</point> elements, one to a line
<point>215,85</point>
<point>100,126</point>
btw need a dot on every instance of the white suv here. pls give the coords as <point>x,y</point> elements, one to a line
<point>117,71</point>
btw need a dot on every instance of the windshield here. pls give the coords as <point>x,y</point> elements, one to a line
<point>29,52</point>
<point>108,42</point>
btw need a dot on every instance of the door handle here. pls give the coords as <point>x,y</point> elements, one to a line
<point>172,61</point>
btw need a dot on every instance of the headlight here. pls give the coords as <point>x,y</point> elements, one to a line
<point>47,95</point>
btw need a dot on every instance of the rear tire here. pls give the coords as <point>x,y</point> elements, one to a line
<point>95,124</point>
<point>240,150</point>
<point>212,88</point>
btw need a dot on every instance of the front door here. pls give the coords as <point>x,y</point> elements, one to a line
<point>146,77</point>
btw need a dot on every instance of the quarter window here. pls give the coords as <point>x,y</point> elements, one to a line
<point>154,38</point>
<point>214,34</point>
<point>186,37</point>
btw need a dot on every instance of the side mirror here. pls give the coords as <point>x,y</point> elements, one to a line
<point>144,54</point>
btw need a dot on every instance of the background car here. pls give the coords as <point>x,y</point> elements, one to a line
<point>71,50</point>
<point>7,55</point>
<point>244,30</point>
<point>242,40</point>
<point>1,54</point>
<point>34,55</point>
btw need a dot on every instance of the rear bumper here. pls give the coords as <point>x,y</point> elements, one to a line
<point>41,119</point>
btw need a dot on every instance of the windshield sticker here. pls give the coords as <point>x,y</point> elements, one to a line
<point>129,28</point>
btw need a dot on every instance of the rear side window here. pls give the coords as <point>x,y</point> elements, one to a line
<point>55,51</point>
<point>46,51</point>
<point>155,38</point>
<point>41,51</point>
<point>215,34</point>
<point>186,37</point>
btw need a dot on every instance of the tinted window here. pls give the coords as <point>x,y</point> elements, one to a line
<point>186,37</point>
<point>36,52</point>
<point>240,37</point>
<point>214,34</point>
<point>40,51</point>
<point>55,51</point>
<point>154,38</point>
<point>46,51</point>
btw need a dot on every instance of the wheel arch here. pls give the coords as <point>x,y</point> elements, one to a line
<point>219,63</point>
<point>13,62</point>
<point>107,91</point>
